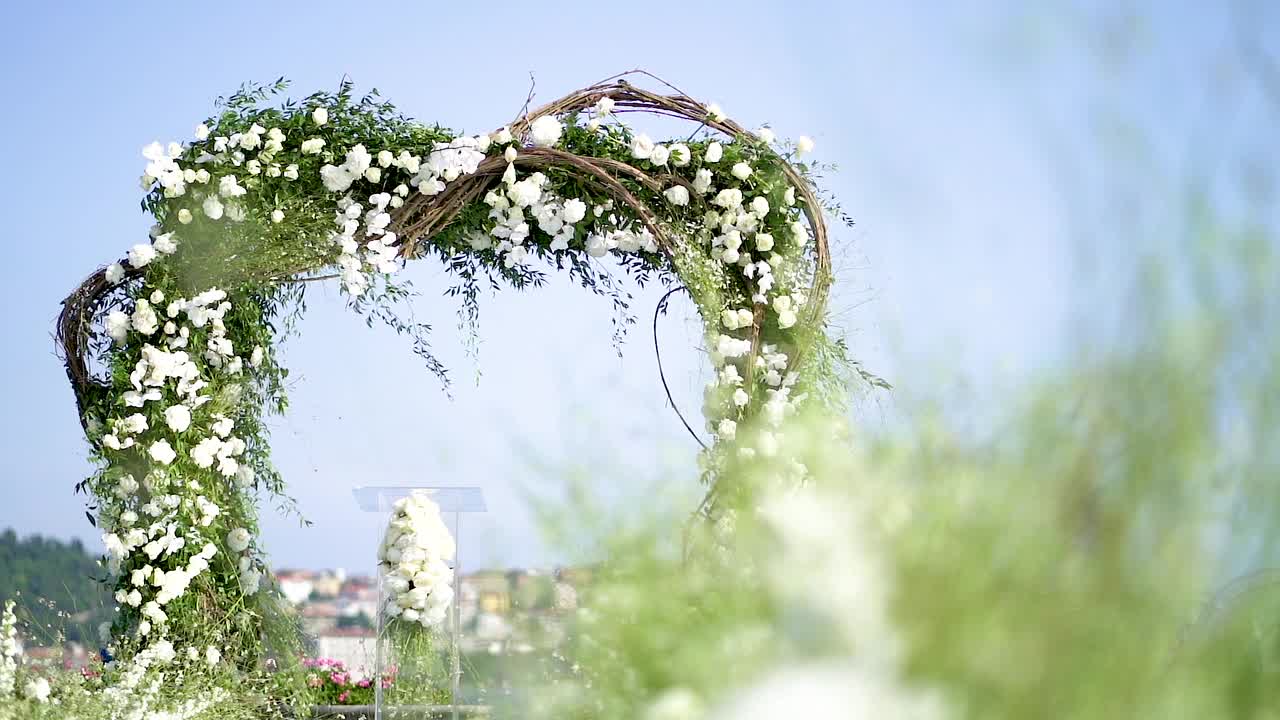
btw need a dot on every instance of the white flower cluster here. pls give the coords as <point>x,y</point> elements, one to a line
<point>415,560</point>
<point>444,164</point>
<point>8,651</point>
<point>511,208</point>
<point>379,252</point>
<point>151,526</point>
<point>138,690</point>
<point>254,152</point>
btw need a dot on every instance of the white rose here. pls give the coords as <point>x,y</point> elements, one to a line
<point>574,211</point>
<point>659,155</point>
<point>277,216</point>
<point>546,131</point>
<point>373,174</point>
<point>764,242</point>
<point>202,132</point>
<point>715,113</point>
<point>165,244</point>
<point>641,147</point>
<point>309,147</point>
<point>740,397</point>
<point>715,151</point>
<point>212,207</point>
<point>677,195</point>
<point>760,206</point>
<point>178,418</point>
<point>804,145</point>
<point>766,135</point>
<point>115,273</point>
<point>141,254</point>
<point>680,155</point>
<point>702,181</point>
<point>212,655</point>
<point>184,216</point>
<point>320,115</point>
<point>238,540</point>
<point>37,689</point>
<point>741,170</point>
<point>162,452</point>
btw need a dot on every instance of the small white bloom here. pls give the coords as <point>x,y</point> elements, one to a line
<point>238,540</point>
<point>804,145</point>
<point>212,655</point>
<point>373,174</point>
<point>165,244</point>
<point>510,154</point>
<point>202,132</point>
<point>677,195</point>
<point>641,147</point>
<point>37,689</point>
<point>740,397</point>
<point>178,418</point>
<point>764,242</point>
<point>741,170</point>
<point>714,152</point>
<point>320,116</point>
<point>702,181</point>
<point>659,155</point>
<point>604,106</point>
<point>277,215</point>
<point>162,452</point>
<point>715,113</point>
<point>212,207</point>
<point>184,216</point>
<point>680,155</point>
<point>727,429</point>
<point>546,131</point>
<point>115,273</point>
<point>309,147</point>
<point>141,255</point>
<point>766,135</point>
<point>574,211</point>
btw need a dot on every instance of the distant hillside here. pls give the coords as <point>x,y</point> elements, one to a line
<point>53,584</point>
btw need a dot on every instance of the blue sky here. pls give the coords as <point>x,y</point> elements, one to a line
<point>960,264</point>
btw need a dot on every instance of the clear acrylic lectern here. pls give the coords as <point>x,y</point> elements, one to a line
<point>453,502</point>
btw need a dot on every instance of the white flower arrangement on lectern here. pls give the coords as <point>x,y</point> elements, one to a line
<point>415,559</point>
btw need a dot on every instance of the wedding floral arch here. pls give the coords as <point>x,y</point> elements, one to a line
<point>171,350</point>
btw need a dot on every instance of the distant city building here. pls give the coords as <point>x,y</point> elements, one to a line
<point>355,647</point>
<point>500,611</point>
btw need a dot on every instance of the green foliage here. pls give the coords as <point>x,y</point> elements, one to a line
<point>58,587</point>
